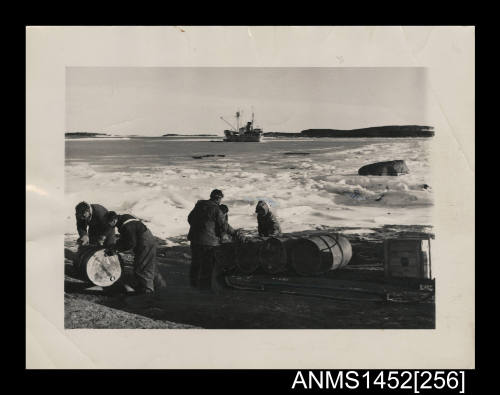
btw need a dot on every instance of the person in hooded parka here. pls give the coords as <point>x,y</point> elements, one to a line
<point>267,223</point>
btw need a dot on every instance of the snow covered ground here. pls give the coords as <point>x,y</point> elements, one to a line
<point>159,181</point>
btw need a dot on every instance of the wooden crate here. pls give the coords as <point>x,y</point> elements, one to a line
<point>408,257</point>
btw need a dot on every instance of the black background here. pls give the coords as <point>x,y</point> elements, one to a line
<point>234,381</point>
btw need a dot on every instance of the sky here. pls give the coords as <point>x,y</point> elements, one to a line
<point>151,101</point>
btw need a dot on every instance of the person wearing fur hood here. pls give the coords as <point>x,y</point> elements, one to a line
<point>267,222</point>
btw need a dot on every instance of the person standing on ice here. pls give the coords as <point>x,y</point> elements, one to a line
<point>207,224</point>
<point>134,235</point>
<point>267,224</point>
<point>91,225</point>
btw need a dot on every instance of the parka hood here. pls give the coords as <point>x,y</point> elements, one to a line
<point>262,204</point>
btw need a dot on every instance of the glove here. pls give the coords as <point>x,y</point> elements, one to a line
<point>109,252</point>
<point>84,240</point>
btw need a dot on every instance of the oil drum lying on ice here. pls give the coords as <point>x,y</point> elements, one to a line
<point>275,254</point>
<point>248,257</point>
<point>319,254</point>
<point>97,268</point>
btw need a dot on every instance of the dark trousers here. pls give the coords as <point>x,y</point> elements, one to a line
<point>203,260</point>
<point>145,261</point>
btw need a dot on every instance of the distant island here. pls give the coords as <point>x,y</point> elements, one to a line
<point>187,135</point>
<point>376,131</point>
<point>84,134</point>
<point>76,135</point>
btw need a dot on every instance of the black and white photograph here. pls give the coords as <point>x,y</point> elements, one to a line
<point>248,198</point>
<point>257,197</point>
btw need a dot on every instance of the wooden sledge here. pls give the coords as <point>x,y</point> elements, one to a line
<point>337,289</point>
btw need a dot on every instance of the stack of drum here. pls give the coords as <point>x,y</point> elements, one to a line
<point>275,254</point>
<point>307,256</point>
<point>248,255</point>
<point>320,253</point>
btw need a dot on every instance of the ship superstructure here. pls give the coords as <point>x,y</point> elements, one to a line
<point>246,133</point>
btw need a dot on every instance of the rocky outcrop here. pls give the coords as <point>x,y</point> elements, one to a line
<point>377,131</point>
<point>389,168</point>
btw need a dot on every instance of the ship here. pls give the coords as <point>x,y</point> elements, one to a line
<point>247,133</point>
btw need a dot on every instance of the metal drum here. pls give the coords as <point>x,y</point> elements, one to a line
<point>248,255</point>
<point>95,267</point>
<point>275,254</point>
<point>226,255</point>
<point>319,254</point>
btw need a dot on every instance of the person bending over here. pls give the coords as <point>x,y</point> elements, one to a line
<point>135,236</point>
<point>226,237</point>
<point>91,225</point>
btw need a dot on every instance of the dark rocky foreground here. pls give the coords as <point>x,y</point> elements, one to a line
<point>179,306</point>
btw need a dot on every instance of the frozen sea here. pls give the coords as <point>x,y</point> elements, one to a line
<point>159,181</point>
